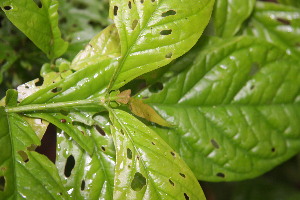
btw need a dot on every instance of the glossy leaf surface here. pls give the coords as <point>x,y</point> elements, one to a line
<point>154,32</point>
<point>236,110</point>
<point>278,24</point>
<point>41,25</point>
<point>146,167</point>
<point>228,15</point>
<point>26,174</point>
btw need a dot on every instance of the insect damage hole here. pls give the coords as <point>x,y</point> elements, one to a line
<point>82,187</point>
<point>129,153</point>
<point>221,175</point>
<point>171,182</point>
<point>69,166</point>
<point>134,24</point>
<point>166,32</point>
<point>214,143</point>
<point>283,21</point>
<point>129,4</point>
<point>169,55</point>
<point>103,148</point>
<point>7,7</point>
<point>186,196</point>
<point>2,183</point>
<point>100,130</point>
<point>138,182</point>
<point>168,13</point>
<point>116,10</point>
<point>57,89</point>
<point>173,154</point>
<point>181,174</point>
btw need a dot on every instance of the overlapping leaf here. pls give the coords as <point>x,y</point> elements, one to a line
<point>19,167</point>
<point>41,24</point>
<point>154,32</point>
<point>278,24</point>
<point>146,167</point>
<point>236,110</point>
<point>228,16</point>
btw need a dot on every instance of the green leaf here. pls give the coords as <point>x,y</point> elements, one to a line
<point>236,110</point>
<point>290,2</point>
<point>41,25</point>
<point>26,174</point>
<point>146,167</point>
<point>228,16</point>
<point>153,33</point>
<point>278,24</point>
<point>91,177</point>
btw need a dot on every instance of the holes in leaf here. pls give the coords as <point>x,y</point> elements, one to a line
<point>134,24</point>
<point>2,183</point>
<point>137,157</point>
<point>181,174</point>
<point>168,13</point>
<point>171,182</point>
<point>116,10</point>
<point>173,154</point>
<point>129,4</point>
<point>24,156</point>
<point>214,143</point>
<point>7,7</point>
<point>252,87</point>
<point>152,143</point>
<point>57,89</point>
<point>129,153</point>
<point>166,32</point>
<point>156,87</point>
<point>221,175</point>
<point>142,1</point>
<point>82,187</point>
<point>138,182</point>
<point>283,21</point>
<point>122,132</point>
<point>69,166</point>
<point>38,83</point>
<point>169,55</point>
<point>100,130</point>
<point>38,3</point>
<point>103,148</point>
<point>63,120</point>
<point>186,196</point>
<point>273,149</point>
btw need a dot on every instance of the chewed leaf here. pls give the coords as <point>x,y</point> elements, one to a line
<point>41,25</point>
<point>146,167</point>
<point>154,32</point>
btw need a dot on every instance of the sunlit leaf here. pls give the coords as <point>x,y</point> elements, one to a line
<point>146,167</point>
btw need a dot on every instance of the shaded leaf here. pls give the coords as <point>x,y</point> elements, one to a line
<point>228,16</point>
<point>41,25</point>
<point>235,110</point>
<point>20,167</point>
<point>146,167</point>
<point>278,24</point>
<point>290,2</point>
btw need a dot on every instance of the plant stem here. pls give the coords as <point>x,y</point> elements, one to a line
<point>50,106</point>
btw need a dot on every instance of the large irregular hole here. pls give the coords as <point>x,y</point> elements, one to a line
<point>186,196</point>
<point>116,10</point>
<point>134,24</point>
<point>7,7</point>
<point>156,87</point>
<point>166,32</point>
<point>2,183</point>
<point>69,166</point>
<point>214,143</point>
<point>168,13</point>
<point>138,182</point>
<point>129,153</point>
<point>283,21</point>
<point>100,130</point>
<point>82,187</point>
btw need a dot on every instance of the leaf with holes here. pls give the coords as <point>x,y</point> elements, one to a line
<point>86,176</point>
<point>154,32</point>
<point>146,167</point>
<point>229,15</point>
<point>235,110</point>
<point>41,25</point>
<point>278,24</point>
<point>19,167</point>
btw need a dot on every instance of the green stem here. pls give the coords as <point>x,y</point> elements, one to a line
<point>60,105</point>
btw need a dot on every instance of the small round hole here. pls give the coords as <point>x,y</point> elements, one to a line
<point>7,7</point>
